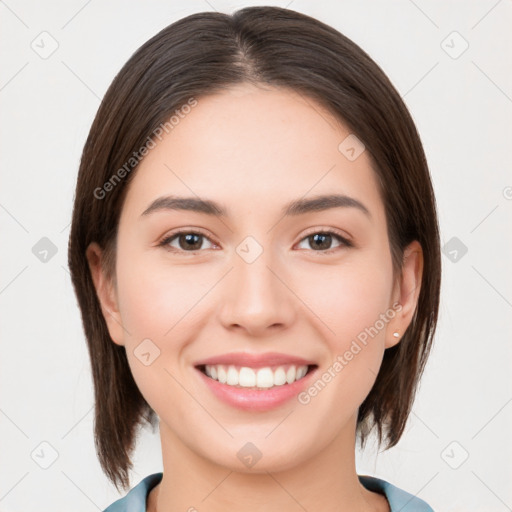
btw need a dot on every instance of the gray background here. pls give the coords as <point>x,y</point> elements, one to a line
<point>456,451</point>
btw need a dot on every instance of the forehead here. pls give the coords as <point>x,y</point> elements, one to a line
<point>254,147</point>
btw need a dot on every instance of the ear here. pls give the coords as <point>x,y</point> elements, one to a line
<point>106,292</point>
<point>406,292</point>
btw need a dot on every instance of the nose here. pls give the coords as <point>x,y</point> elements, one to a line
<point>257,297</point>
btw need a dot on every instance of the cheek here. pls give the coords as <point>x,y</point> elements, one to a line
<point>162,310</point>
<point>156,301</point>
<point>347,298</point>
<point>352,303</point>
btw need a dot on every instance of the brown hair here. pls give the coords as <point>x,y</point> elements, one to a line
<point>203,54</point>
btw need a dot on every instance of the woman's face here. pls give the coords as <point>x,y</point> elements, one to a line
<point>313,284</point>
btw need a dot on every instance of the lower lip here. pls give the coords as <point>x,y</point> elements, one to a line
<point>256,399</point>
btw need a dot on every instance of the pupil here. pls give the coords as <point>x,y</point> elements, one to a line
<point>321,239</point>
<point>191,241</point>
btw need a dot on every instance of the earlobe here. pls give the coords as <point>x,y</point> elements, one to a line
<point>105,290</point>
<point>393,340</point>
<point>407,292</point>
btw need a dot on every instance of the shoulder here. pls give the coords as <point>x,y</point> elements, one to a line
<point>135,500</point>
<point>398,498</point>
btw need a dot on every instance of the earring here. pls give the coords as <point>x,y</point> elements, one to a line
<point>396,335</point>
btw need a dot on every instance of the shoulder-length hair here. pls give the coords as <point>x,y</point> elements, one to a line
<point>206,53</point>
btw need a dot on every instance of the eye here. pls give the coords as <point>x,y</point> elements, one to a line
<point>192,241</point>
<point>321,241</point>
<point>187,241</point>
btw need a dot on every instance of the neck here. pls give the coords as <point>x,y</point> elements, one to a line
<point>326,481</point>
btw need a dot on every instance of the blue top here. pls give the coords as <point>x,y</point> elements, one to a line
<point>399,500</point>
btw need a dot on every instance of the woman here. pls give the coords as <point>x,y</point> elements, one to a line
<point>255,252</point>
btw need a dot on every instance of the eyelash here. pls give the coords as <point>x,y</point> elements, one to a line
<point>168,239</point>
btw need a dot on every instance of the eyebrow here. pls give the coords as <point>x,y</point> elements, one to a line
<point>296,207</point>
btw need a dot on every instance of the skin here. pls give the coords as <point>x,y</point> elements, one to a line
<point>254,149</point>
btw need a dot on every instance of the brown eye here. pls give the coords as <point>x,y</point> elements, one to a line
<point>323,241</point>
<point>190,241</point>
<point>187,241</point>
<point>320,241</point>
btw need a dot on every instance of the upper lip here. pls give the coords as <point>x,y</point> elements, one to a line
<point>255,360</point>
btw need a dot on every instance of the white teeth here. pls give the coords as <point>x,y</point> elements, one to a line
<point>221,374</point>
<point>261,378</point>
<point>247,377</point>
<point>265,378</point>
<point>301,372</point>
<point>279,376</point>
<point>232,377</point>
<point>290,374</point>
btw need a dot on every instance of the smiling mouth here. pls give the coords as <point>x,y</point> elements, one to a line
<point>256,378</point>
